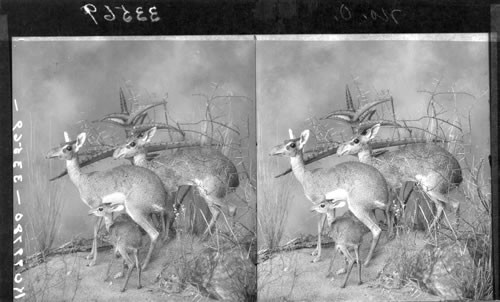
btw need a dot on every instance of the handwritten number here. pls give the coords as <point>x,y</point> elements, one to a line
<point>139,13</point>
<point>18,125</point>
<point>111,16</point>
<point>18,178</point>
<point>153,14</point>
<point>345,12</point>
<point>393,16</point>
<point>89,9</point>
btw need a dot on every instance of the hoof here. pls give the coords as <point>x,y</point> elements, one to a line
<point>122,290</point>
<point>342,286</point>
<point>139,287</point>
<point>360,282</point>
<point>314,253</point>
<point>91,263</point>
<point>316,259</point>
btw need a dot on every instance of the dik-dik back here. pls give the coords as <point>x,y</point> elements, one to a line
<point>420,159</point>
<point>124,232</point>
<point>194,165</point>
<point>347,230</point>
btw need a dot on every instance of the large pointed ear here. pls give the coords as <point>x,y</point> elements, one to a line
<point>80,140</point>
<point>372,132</point>
<point>117,207</point>
<point>304,136</point>
<point>290,133</point>
<point>148,135</point>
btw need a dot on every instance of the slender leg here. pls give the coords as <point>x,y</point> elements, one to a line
<point>130,264</point>
<point>389,216</point>
<point>145,222</point>
<point>358,263</point>
<point>93,252</point>
<point>350,261</point>
<point>364,217</point>
<point>329,272</point>
<point>139,270</point>
<point>317,251</point>
<point>109,267</point>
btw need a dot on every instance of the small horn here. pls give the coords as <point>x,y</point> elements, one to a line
<point>290,132</point>
<point>66,137</point>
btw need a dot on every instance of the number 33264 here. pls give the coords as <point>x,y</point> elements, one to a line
<point>121,12</point>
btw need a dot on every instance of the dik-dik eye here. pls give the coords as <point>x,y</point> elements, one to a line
<point>69,148</point>
<point>132,144</point>
<point>100,209</point>
<point>356,141</point>
<point>322,205</point>
<point>292,145</point>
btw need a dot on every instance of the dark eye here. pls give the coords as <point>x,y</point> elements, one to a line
<point>132,144</point>
<point>356,140</point>
<point>292,145</point>
<point>69,148</point>
<point>100,209</point>
<point>322,205</point>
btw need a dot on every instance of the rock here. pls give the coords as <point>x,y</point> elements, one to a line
<point>445,270</point>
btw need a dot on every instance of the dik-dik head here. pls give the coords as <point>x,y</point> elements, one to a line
<point>135,144</point>
<point>293,146</point>
<point>359,142</point>
<point>69,149</point>
<point>327,205</point>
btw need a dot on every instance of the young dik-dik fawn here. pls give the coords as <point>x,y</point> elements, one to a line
<point>347,232</point>
<point>361,185</point>
<point>125,235</point>
<point>211,172</point>
<point>138,189</point>
<point>436,170</point>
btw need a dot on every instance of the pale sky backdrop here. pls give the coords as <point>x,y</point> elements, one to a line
<point>300,79</point>
<point>59,83</point>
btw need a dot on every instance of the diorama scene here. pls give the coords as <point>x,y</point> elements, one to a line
<point>373,168</point>
<point>140,168</point>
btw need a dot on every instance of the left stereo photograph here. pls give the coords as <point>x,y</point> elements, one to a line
<point>136,168</point>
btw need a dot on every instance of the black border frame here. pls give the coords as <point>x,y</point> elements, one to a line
<point>236,17</point>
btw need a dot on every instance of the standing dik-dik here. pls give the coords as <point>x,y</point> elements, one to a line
<point>138,189</point>
<point>126,237</point>
<point>211,172</point>
<point>436,170</point>
<point>361,185</point>
<point>347,232</point>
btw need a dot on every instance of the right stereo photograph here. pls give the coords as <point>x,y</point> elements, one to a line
<point>374,178</point>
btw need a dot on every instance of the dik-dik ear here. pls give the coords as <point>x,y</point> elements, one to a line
<point>148,135</point>
<point>372,132</point>
<point>117,207</point>
<point>304,136</point>
<point>80,140</point>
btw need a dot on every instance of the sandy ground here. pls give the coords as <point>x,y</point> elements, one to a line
<point>68,278</point>
<point>291,276</point>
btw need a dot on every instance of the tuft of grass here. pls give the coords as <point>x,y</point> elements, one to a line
<point>46,203</point>
<point>274,202</point>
